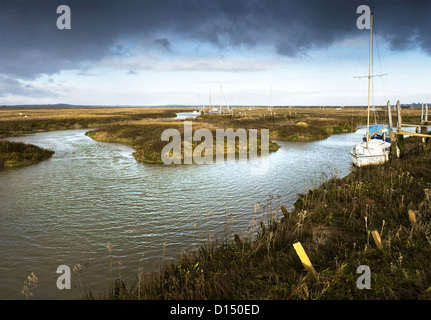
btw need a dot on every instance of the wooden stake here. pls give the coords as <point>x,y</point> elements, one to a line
<point>422,113</point>
<point>412,217</point>
<point>377,239</point>
<point>391,133</point>
<point>304,258</point>
<point>400,138</point>
<point>426,142</point>
<point>399,118</point>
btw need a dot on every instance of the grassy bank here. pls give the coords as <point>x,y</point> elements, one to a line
<point>286,124</point>
<point>14,120</point>
<point>146,137</point>
<point>303,123</point>
<point>334,223</point>
<point>18,154</point>
<point>299,125</point>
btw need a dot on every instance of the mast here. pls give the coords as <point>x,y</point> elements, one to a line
<point>369,81</point>
<point>221,101</point>
<point>270,99</point>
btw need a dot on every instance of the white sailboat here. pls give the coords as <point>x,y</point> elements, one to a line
<point>373,150</point>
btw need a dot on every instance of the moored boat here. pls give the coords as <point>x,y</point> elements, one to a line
<point>375,148</point>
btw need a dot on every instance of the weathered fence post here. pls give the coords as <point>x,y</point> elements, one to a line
<point>392,135</point>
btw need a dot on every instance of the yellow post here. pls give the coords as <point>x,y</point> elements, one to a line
<point>377,239</point>
<point>412,217</point>
<point>304,258</point>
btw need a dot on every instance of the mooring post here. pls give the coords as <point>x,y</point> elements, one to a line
<point>400,139</point>
<point>422,113</point>
<point>392,135</point>
<point>424,129</point>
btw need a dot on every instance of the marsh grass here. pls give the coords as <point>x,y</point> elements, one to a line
<point>78,269</point>
<point>18,154</point>
<point>30,285</point>
<point>301,124</point>
<point>145,138</point>
<point>36,119</point>
<point>333,222</point>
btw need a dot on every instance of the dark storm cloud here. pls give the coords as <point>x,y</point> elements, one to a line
<point>30,43</point>
<point>164,44</point>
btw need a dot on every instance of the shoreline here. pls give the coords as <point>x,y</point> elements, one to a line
<point>17,154</point>
<point>334,222</point>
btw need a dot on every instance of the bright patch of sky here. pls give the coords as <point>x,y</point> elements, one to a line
<point>171,68</point>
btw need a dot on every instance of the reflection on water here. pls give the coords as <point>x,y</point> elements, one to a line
<point>66,209</point>
<point>186,115</point>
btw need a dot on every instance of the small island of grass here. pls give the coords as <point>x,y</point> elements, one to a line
<point>146,138</point>
<point>18,154</point>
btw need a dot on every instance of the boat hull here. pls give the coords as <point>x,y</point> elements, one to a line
<point>362,161</point>
<point>373,153</point>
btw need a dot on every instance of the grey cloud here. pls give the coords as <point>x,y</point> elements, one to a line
<point>9,86</point>
<point>32,45</point>
<point>164,44</point>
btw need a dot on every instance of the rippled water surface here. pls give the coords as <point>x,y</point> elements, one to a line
<point>65,210</point>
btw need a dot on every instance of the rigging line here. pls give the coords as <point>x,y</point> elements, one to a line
<point>382,81</point>
<point>378,49</point>
<point>372,83</point>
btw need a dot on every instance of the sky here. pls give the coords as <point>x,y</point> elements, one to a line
<point>234,52</point>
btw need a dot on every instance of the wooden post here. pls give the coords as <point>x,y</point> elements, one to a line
<point>412,217</point>
<point>304,258</point>
<point>399,116</point>
<point>400,138</point>
<point>390,119</point>
<point>377,239</point>
<point>424,130</point>
<point>392,135</point>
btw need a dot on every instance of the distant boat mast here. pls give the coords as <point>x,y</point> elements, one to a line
<point>270,99</point>
<point>221,100</point>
